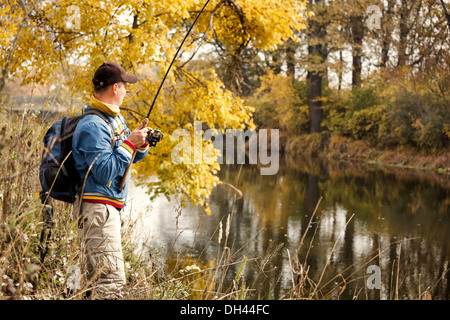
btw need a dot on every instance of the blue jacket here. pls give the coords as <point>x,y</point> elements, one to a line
<point>92,145</point>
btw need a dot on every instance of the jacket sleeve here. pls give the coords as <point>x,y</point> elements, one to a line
<point>93,143</point>
<point>141,153</point>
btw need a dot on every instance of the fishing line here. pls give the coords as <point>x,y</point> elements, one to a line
<point>173,60</point>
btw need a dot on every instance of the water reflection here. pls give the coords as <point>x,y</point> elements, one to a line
<point>396,219</point>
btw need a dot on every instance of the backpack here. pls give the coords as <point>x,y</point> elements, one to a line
<point>57,173</point>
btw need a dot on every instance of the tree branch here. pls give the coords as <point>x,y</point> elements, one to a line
<point>447,15</point>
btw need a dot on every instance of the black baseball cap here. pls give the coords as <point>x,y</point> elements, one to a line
<point>111,72</point>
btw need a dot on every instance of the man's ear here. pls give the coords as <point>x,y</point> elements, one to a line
<point>115,88</point>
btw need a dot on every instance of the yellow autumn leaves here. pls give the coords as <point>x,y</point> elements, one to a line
<point>53,41</point>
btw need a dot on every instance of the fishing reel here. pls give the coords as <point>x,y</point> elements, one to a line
<point>154,136</point>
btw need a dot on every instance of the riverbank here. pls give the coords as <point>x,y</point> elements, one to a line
<point>334,147</point>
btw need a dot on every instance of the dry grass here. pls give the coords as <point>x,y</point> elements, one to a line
<point>150,275</point>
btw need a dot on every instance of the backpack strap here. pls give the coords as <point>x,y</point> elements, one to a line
<point>108,121</point>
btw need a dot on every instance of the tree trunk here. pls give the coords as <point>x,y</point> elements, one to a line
<point>386,42</point>
<point>357,37</point>
<point>341,71</point>
<point>404,31</point>
<point>276,61</point>
<point>316,56</point>
<point>315,102</point>
<point>290,58</point>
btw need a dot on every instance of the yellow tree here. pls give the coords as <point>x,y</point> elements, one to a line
<point>43,38</point>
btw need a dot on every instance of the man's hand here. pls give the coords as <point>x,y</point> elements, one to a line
<point>138,136</point>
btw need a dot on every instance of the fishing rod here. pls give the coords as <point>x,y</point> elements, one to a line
<point>173,60</point>
<point>155,136</point>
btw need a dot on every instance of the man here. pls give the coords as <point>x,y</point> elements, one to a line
<point>103,156</point>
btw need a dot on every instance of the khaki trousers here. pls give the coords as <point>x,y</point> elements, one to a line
<point>99,231</point>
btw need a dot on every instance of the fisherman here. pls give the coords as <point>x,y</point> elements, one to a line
<point>102,156</point>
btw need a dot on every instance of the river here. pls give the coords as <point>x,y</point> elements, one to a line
<point>378,232</point>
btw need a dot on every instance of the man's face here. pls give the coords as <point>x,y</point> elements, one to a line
<point>121,91</point>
